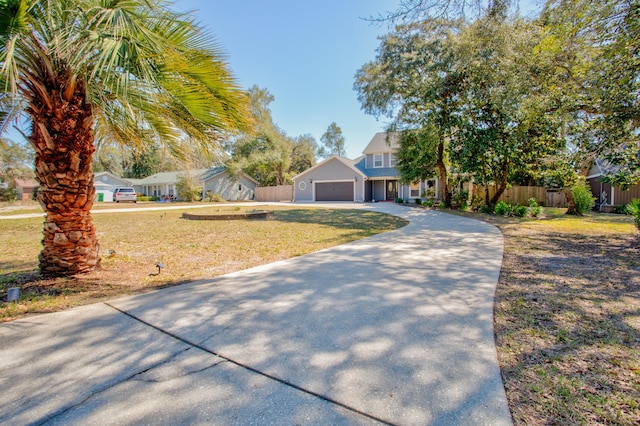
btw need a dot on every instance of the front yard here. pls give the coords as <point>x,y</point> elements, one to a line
<point>567,319</point>
<point>131,243</point>
<point>567,310</point>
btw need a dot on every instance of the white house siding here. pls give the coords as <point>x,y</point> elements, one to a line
<point>105,184</point>
<point>333,170</point>
<point>223,185</point>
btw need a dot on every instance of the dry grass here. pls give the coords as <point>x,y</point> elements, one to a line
<point>133,242</point>
<point>567,319</point>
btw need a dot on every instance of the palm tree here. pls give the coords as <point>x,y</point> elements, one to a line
<point>128,71</point>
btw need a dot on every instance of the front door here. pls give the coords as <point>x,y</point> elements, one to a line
<point>392,190</point>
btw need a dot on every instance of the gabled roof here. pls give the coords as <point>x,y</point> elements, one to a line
<point>345,161</point>
<point>375,172</point>
<point>211,173</point>
<point>170,177</point>
<point>98,175</point>
<point>603,167</point>
<point>379,143</point>
<point>26,183</point>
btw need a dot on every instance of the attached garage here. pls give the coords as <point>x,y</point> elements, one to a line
<point>334,191</point>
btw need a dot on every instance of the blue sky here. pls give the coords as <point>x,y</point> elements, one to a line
<point>305,53</point>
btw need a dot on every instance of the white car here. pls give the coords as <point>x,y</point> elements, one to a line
<point>124,194</point>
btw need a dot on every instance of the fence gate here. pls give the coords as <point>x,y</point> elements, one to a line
<point>274,193</point>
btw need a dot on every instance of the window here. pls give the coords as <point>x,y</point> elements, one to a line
<point>377,160</point>
<point>415,189</point>
<point>302,185</point>
<point>392,160</point>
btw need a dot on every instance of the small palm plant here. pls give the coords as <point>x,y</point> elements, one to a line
<point>633,209</point>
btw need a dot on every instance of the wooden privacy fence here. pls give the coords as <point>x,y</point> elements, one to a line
<point>556,199</point>
<point>521,194</point>
<point>274,193</point>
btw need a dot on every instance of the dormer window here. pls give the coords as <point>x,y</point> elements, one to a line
<point>377,160</point>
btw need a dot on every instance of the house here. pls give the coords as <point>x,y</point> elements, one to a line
<point>219,181</point>
<point>163,184</point>
<point>105,183</point>
<point>370,177</point>
<point>606,194</point>
<point>25,188</point>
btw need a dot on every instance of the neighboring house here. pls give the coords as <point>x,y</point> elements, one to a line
<point>163,184</point>
<point>25,188</point>
<point>371,177</point>
<point>219,181</point>
<point>105,183</point>
<point>606,194</point>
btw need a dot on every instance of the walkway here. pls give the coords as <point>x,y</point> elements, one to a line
<point>395,329</point>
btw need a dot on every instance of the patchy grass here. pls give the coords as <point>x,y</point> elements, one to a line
<point>567,318</point>
<point>133,242</point>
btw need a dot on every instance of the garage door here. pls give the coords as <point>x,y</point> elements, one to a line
<point>334,191</point>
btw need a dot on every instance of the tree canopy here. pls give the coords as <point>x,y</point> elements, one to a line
<point>266,152</point>
<point>333,142</point>
<point>507,99</point>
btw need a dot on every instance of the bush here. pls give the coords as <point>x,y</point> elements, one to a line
<point>399,200</point>
<point>582,197</point>
<point>485,209</point>
<point>428,203</point>
<point>534,208</point>
<point>633,209</point>
<point>213,197</point>
<point>519,211</point>
<point>461,197</point>
<point>502,208</point>
<point>8,194</point>
<point>418,201</point>
<point>144,198</point>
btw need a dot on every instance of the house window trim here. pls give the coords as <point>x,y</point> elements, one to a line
<point>393,161</point>
<point>381,161</point>
<point>419,185</point>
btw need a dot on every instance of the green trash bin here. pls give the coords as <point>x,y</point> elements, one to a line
<point>101,196</point>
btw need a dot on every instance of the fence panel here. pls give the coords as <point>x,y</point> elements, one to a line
<point>556,199</point>
<point>274,193</point>
<point>521,194</point>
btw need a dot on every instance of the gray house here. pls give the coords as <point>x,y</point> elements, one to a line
<point>219,181</point>
<point>105,183</point>
<point>371,177</point>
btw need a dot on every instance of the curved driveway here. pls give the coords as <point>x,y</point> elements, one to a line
<point>396,329</point>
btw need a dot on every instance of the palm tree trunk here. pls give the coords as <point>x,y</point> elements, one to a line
<point>62,135</point>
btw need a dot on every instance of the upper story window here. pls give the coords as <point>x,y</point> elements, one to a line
<point>377,160</point>
<point>392,160</point>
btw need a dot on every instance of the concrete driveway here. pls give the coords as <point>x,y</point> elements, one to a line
<point>395,329</point>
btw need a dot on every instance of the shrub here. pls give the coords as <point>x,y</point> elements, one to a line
<point>144,198</point>
<point>519,211</point>
<point>213,197</point>
<point>428,203</point>
<point>461,197</point>
<point>399,200</point>
<point>8,194</point>
<point>633,209</point>
<point>485,209</point>
<point>477,202</point>
<point>418,201</point>
<point>502,208</point>
<point>534,208</point>
<point>582,197</point>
